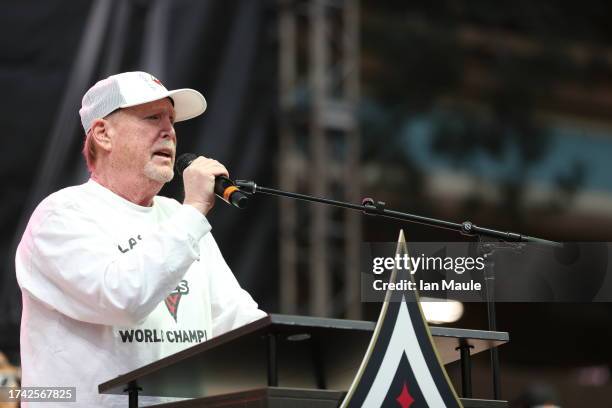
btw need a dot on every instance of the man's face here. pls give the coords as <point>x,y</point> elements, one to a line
<point>144,140</point>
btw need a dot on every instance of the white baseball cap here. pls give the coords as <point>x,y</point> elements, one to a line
<point>135,88</point>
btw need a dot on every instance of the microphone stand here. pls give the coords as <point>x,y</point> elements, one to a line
<point>510,241</point>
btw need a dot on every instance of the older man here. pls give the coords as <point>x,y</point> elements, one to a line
<point>113,276</point>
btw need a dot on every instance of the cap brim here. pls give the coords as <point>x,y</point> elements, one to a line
<point>188,103</point>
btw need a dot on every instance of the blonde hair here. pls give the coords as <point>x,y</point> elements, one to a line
<point>89,151</point>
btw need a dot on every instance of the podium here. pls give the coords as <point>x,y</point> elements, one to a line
<point>281,361</point>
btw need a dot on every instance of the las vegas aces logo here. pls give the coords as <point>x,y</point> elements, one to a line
<point>174,298</point>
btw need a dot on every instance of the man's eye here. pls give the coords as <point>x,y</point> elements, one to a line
<point>154,117</point>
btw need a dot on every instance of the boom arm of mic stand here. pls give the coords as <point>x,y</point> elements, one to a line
<point>377,208</point>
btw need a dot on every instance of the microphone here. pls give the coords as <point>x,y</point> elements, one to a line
<point>225,188</point>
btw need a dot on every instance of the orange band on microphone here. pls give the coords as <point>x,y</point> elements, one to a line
<point>228,192</point>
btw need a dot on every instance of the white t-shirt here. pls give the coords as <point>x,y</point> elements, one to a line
<point>109,286</point>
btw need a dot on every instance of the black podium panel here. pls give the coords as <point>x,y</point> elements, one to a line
<point>272,397</point>
<point>301,352</point>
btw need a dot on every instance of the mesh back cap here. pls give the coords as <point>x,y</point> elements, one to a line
<point>135,88</point>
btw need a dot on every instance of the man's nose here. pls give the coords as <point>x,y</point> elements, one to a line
<point>168,129</point>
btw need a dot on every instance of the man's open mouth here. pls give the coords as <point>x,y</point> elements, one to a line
<point>163,153</point>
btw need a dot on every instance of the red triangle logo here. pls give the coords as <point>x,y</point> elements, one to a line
<point>172,303</point>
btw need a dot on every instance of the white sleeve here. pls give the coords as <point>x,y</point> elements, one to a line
<point>231,306</point>
<point>65,262</point>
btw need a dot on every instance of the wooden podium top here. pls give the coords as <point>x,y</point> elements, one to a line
<point>314,353</point>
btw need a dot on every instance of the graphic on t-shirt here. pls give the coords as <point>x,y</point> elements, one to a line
<point>174,298</point>
<point>162,336</point>
<point>131,243</point>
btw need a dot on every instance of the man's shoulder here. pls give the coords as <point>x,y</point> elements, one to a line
<point>66,197</point>
<point>55,203</point>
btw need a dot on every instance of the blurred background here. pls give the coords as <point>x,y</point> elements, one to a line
<point>494,112</point>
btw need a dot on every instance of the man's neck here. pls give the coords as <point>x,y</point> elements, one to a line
<point>140,192</point>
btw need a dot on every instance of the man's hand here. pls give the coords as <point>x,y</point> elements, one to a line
<point>199,183</point>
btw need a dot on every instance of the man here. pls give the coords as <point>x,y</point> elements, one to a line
<point>113,276</point>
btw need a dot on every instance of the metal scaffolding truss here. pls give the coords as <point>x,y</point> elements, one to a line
<point>319,153</point>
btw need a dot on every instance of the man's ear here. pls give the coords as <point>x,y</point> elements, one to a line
<point>100,132</point>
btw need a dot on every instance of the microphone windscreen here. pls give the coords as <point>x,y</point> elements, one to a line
<point>183,161</point>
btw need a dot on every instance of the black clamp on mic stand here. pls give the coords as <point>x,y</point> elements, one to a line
<point>502,241</point>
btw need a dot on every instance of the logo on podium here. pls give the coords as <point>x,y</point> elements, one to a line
<point>401,368</point>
